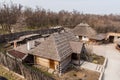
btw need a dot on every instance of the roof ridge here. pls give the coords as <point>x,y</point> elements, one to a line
<point>53,36</point>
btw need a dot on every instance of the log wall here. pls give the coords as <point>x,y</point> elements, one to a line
<point>63,65</point>
<point>46,62</point>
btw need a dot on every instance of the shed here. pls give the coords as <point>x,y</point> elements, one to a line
<point>113,37</point>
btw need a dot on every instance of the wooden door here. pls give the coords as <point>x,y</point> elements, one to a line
<point>52,64</point>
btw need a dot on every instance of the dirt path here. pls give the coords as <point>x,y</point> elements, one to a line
<point>112,71</point>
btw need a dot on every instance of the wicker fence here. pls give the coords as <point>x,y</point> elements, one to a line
<point>26,71</point>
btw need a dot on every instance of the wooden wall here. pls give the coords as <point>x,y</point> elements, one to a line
<point>46,62</point>
<point>59,66</point>
<point>63,65</point>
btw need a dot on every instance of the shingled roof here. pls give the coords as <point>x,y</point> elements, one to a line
<point>56,47</point>
<point>76,46</point>
<point>84,30</point>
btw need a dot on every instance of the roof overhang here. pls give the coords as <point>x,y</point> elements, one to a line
<point>76,46</point>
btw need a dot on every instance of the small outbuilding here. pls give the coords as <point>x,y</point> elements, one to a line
<point>20,56</point>
<point>113,37</point>
<point>16,55</point>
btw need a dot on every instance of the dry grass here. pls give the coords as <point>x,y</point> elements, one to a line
<point>97,59</point>
<point>8,74</point>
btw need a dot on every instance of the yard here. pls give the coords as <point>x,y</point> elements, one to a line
<point>78,74</point>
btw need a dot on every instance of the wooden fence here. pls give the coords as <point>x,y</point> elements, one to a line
<point>28,72</point>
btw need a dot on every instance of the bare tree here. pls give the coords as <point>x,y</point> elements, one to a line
<point>9,15</point>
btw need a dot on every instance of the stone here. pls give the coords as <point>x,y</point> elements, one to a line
<point>50,71</point>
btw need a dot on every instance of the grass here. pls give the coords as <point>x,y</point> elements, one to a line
<point>97,59</point>
<point>3,31</point>
<point>2,49</point>
<point>8,74</point>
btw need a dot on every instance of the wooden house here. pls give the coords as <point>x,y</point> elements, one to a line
<point>56,51</point>
<point>83,32</point>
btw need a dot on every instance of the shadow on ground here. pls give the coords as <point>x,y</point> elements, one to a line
<point>3,78</point>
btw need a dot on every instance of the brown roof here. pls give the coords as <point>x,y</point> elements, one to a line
<point>84,30</point>
<point>17,54</point>
<point>76,46</point>
<point>56,47</point>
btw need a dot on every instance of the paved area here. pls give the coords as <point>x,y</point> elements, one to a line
<point>112,71</point>
<point>92,66</point>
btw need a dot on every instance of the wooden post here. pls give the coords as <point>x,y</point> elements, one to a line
<point>78,59</point>
<point>35,60</point>
<point>15,44</point>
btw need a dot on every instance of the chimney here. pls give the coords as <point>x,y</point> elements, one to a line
<point>28,45</point>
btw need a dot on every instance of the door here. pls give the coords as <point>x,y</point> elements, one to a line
<point>52,64</point>
<point>111,39</point>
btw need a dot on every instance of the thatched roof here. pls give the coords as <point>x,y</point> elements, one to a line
<point>84,30</point>
<point>55,47</point>
<point>24,37</point>
<point>100,36</point>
